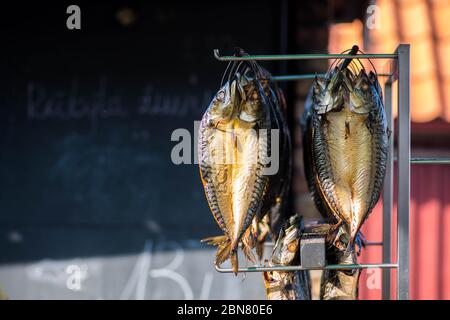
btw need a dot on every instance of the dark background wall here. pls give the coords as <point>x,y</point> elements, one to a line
<point>86,118</point>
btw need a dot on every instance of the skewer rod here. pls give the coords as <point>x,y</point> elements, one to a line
<point>298,268</point>
<point>277,57</point>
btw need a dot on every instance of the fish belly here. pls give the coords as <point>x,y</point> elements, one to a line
<point>244,176</point>
<point>350,151</point>
<point>218,186</point>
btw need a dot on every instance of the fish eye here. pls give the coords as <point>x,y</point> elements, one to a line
<point>365,86</point>
<point>316,90</point>
<point>221,95</point>
<point>292,246</point>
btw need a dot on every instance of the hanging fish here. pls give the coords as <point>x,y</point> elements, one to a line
<point>308,161</point>
<point>350,143</point>
<point>279,211</point>
<point>274,210</point>
<point>341,284</point>
<point>325,94</point>
<point>235,190</point>
<point>294,285</point>
<point>213,145</point>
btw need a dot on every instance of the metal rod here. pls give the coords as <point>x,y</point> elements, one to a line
<point>298,268</point>
<point>367,243</point>
<point>297,77</point>
<point>294,77</point>
<point>431,160</point>
<point>391,71</point>
<point>388,192</point>
<point>403,164</point>
<point>303,56</point>
<point>374,243</point>
<point>428,160</point>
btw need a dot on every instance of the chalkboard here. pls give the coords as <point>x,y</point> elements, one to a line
<point>86,119</point>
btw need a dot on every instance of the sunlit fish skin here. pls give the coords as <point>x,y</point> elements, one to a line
<point>308,160</point>
<point>328,93</point>
<point>350,151</point>
<point>249,180</point>
<point>212,147</point>
<point>235,187</point>
<point>276,205</point>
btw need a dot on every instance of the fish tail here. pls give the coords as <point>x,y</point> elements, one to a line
<point>223,244</point>
<point>227,249</point>
<point>248,243</point>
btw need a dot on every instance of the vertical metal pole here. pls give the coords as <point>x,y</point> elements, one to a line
<point>388,192</point>
<point>404,158</point>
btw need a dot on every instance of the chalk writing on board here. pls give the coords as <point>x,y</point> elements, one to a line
<point>75,275</point>
<point>59,273</point>
<point>43,103</point>
<point>139,278</point>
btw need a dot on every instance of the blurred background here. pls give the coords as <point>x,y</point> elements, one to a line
<point>91,205</point>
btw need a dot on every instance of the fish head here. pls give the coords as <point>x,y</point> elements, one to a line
<point>269,86</point>
<point>223,104</point>
<point>290,245</point>
<point>361,94</point>
<point>328,93</point>
<point>252,103</point>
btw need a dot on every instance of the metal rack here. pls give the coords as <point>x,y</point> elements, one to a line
<point>399,71</point>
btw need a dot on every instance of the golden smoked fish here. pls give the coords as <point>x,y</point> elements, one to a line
<point>233,153</point>
<point>275,208</point>
<point>341,284</point>
<point>350,143</point>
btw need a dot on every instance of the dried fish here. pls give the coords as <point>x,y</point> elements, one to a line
<point>349,146</point>
<point>341,284</point>
<point>294,285</point>
<point>236,189</point>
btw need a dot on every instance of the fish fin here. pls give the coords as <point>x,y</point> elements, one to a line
<point>248,243</point>
<point>260,243</point>
<point>321,228</point>
<point>350,246</point>
<point>251,238</point>
<point>223,252</point>
<point>234,261</point>
<point>260,250</point>
<point>360,243</point>
<point>223,244</point>
<point>389,132</point>
<point>215,241</point>
<point>256,240</point>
